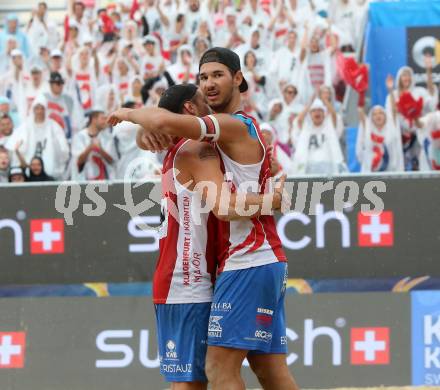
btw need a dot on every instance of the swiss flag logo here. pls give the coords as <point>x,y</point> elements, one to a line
<point>370,346</point>
<point>376,229</point>
<point>47,236</point>
<point>12,349</point>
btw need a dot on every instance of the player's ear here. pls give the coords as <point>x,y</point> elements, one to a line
<point>238,78</point>
<point>188,108</point>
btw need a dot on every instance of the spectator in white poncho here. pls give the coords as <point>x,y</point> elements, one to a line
<point>315,69</point>
<point>107,96</point>
<point>93,149</point>
<point>285,65</point>
<point>292,107</point>
<point>152,64</point>
<point>429,135</point>
<point>4,165</point>
<point>12,83</point>
<point>185,69</point>
<point>41,31</point>
<point>281,161</point>
<point>133,163</point>
<point>379,145</point>
<point>256,79</point>
<point>317,147</point>
<point>33,87</point>
<point>274,116</point>
<point>405,84</point>
<point>327,95</point>
<point>6,128</point>
<point>42,137</point>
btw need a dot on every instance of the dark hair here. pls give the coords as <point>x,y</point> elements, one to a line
<point>226,57</point>
<point>5,115</point>
<point>93,115</point>
<point>14,171</point>
<point>175,96</point>
<point>246,56</point>
<point>180,17</point>
<point>43,176</point>
<point>129,104</point>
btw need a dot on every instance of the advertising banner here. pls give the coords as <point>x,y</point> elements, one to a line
<point>398,34</point>
<point>85,233</point>
<point>426,338</point>
<point>110,343</point>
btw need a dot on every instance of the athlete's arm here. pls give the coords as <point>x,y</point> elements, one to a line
<point>226,130</point>
<point>204,167</point>
<point>390,88</point>
<point>154,142</point>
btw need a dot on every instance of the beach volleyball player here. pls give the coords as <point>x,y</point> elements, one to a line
<point>182,287</point>
<point>247,315</point>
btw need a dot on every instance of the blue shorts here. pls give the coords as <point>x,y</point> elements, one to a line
<point>247,311</point>
<point>181,334</point>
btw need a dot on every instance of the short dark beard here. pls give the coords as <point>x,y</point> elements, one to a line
<point>221,107</point>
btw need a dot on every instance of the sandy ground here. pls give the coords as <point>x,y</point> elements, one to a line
<point>379,388</point>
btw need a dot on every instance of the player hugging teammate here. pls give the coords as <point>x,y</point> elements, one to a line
<point>217,224</point>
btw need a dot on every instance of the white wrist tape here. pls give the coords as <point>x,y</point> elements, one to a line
<point>209,129</point>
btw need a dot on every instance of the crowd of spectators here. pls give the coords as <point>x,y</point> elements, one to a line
<point>58,83</point>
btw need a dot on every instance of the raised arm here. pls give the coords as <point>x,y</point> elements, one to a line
<point>302,115</point>
<point>20,157</point>
<point>163,18</point>
<point>304,43</point>
<point>362,117</point>
<point>96,61</point>
<point>331,111</point>
<point>390,87</point>
<point>218,127</point>
<point>204,166</point>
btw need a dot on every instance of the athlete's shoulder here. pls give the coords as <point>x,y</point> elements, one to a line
<point>195,151</point>
<point>244,116</point>
<point>250,122</point>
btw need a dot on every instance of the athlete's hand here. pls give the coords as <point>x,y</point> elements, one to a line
<point>279,196</point>
<point>274,164</point>
<point>153,142</point>
<point>118,116</point>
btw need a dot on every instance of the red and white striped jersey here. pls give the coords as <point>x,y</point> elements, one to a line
<point>87,84</point>
<point>254,242</point>
<point>185,269</point>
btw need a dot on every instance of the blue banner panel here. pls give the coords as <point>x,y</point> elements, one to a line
<point>328,233</point>
<point>66,343</point>
<point>426,338</point>
<point>351,134</point>
<point>404,13</point>
<point>399,34</point>
<point>386,53</point>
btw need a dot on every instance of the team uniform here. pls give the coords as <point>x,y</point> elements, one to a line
<point>183,281</point>
<point>247,311</point>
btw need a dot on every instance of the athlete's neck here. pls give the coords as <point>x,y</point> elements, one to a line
<point>234,105</point>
